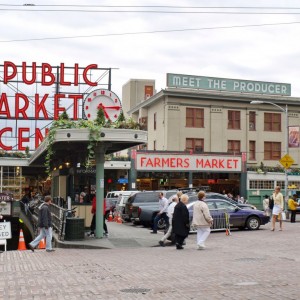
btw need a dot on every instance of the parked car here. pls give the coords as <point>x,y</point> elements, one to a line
<point>224,197</point>
<point>122,200</point>
<point>144,206</point>
<point>238,217</point>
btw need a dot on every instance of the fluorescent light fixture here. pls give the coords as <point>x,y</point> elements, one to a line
<point>257,102</point>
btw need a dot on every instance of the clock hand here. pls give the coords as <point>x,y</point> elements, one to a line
<point>112,107</point>
<point>103,108</point>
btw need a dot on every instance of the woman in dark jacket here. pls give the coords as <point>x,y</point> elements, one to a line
<point>181,221</point>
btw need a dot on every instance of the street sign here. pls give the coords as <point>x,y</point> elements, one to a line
<point>5,230</point>
<point>286,161</point>
<point>5,210</point>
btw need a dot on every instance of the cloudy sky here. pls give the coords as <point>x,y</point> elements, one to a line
<point>143,40</point>
<point>114,38</point>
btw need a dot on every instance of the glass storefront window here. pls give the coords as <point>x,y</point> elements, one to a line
<point>11,181</point>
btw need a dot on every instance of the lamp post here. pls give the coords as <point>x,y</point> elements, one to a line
<point>286,139</point>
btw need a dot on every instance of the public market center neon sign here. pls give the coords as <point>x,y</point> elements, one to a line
<point>47,77</point>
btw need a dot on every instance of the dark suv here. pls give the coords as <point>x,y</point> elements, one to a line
<point>143,206</point>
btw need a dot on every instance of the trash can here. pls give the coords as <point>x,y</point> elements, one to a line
<point>74,229</point>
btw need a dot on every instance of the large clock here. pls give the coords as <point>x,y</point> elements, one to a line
<point>105,99</point>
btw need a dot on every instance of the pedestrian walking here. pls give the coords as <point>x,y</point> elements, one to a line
<point>292,205</point>
<point>202,220</point>
<point>266,206</point>
<point>93,223</point>
<point>44,225</point>
<point>162,214</point>
<point>170,212</point>
<point>278,208</point>
<point>181,221</point>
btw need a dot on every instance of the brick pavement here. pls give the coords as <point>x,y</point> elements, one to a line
<point>247,265</point>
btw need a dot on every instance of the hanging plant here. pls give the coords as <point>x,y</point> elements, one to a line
<point>94,127</point>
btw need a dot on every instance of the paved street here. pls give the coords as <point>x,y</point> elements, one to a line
<point>245,265</point>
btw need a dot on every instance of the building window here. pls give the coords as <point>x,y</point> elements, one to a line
<point>154,145</point>
<point>234,119</point>
<point>272,151</point>
<point>195,117</point>
<point>154,122</point>
<point>252,150</point>
<point>234,147</point>
<point>252,121</point>
<point>272,122</point>
<point>261,184</point>
<point>194,145</point>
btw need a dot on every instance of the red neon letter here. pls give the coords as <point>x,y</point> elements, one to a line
<point>40,106</point>
<point>7,77</point>
<point>94,66</point>
<point>3,102</point>
<point>76,67</point>
<point>39,137</point>
<point>7,148</point>
<point>21,140</point>
<point>47,72</point>
<point>57,108</point>
<point>62,75</point>
<point>24,73</point>
<point>75,107</point>
<point>21,110</point>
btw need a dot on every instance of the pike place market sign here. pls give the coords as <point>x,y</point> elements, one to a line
<point>178,162</point>
<point>228,85</point>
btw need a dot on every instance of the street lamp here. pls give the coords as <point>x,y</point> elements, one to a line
<point>286,138</point>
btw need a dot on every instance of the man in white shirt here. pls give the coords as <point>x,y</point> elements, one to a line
<point>162,214</point>
<point>170,212</point>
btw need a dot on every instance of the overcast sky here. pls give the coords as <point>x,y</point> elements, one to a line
<point>267,53</point>
<point>206,44</point>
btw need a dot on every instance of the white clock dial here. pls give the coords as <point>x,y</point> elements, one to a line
<point>107,100</point>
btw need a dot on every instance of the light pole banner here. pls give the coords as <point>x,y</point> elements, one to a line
<point>179,162</point>
<point>294,138</point>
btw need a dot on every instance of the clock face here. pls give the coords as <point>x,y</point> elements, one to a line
<point>105,99</point>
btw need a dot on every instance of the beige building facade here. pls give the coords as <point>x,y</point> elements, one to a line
<point>202,121</point>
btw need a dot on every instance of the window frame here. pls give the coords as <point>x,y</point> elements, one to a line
<point>270,123</point>
<point>271,146</point>
<point>234,119</point>
<point>194,117</point>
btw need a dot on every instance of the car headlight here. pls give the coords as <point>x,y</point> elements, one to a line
<point>254,207</point>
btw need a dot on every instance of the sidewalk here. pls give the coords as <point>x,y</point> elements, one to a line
<point>120,236</point>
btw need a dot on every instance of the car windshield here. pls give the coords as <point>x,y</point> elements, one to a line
<point>221,204</point>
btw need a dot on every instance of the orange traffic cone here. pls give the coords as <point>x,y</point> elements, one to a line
<point>110,217</point>
<point>119,219</point>
<point>42,244</point>
<point>21,245</point>
<point>116,216</point>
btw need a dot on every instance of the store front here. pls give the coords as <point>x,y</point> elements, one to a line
<point>166,170</point>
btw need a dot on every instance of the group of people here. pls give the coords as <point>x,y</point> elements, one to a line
<point>176,216</point>
<point>274,207</point>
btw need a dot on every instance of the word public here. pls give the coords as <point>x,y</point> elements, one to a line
<point>19,107</point>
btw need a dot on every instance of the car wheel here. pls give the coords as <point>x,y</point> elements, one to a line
<point>253,223</point>
<point>161,224</point>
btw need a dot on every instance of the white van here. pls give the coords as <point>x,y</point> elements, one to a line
<point>122,200</point>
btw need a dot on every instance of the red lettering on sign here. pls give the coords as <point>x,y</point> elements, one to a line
<point>21,110</point>
<point>39,137</point>
<point>22,139</point>
<point>40,106</point>
<point>47,72</point>
<point>24,73</point>
<point>75,103</point>
<point>86,69</point>
<point>62,76</point>
<point>4,102</point>
<point>6,75</point>
<point>2,131</point>
<point>58,108</point>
